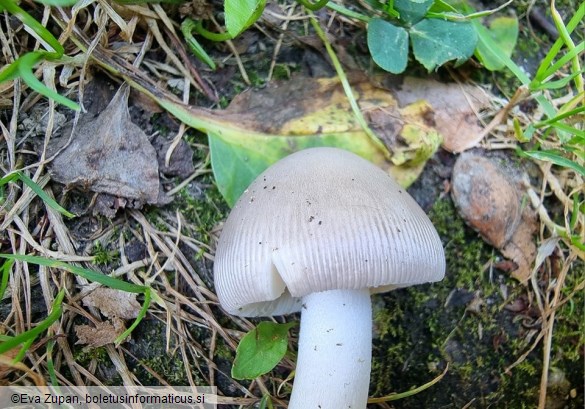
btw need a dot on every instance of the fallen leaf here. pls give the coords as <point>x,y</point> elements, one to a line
<point>113,303</point>
<point>284,118</point>
<point>521,248</point>
<point>102,334</point>
<point>251,135</point>
<point>485,198</point>
<point>455,107</point>
<point>108,154</point>
<point>108,205</point>
<point>486,194</point>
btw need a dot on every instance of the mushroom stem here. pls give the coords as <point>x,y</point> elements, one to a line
<point>335,351</point>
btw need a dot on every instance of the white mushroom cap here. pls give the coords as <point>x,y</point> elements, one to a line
<point>318,220</point>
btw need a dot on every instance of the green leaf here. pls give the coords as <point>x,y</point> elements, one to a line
<point>544,68</point>
<point>388,45</point>
<point>237,159</point>
<point>411,12</point>
<point>260,350</point>
<point>139,317</point>
<point>504,33</point>
<point>562,83</point>
<point>49,201</point>
<point>24,63</point>
<point>556,158</point>
<point>89,275</point>
<point>23,66</point>
<point>435,42</point>
<point>9,178</point>
<point>553,69</point>
<point>235,166</point>
<point>241,14</point>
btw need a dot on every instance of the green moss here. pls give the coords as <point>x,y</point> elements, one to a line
<point>170,368</point>
<point>465,252</point>
<point>154,217</point>
<point>223,351</point>
<point>459,322</point>
<point>149,347</point>
<point>103,256</point>
<point>85,357</point>
<point>203,212</point>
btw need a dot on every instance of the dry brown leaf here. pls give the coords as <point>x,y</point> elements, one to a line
<point>108,154</point>
<point>487,197</point>
<point>102,334</point>
<point>521,248</point>
<point>455,108</point>
<point>113,303</point>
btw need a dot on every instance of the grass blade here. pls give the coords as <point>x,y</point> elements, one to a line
<point>30,335</point>
<point>556,158</point>
<point>554,50</point>
<point>141,315</point>
<point>560,63</point>
<point>37,27</point>
<point>82,272</point>
<point>560,117</point>
<point>5,275</point>
<point>396,396</point>
<point>43,196</point>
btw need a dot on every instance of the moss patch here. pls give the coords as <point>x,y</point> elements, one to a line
<point>462,321</point>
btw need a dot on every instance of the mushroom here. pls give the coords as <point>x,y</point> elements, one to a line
<point>318,232</point>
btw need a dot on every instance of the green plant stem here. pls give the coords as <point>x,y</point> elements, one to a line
<point>456,16</point>
<point>396,396</point>
<point>347,12</point>
<point>217,37</point>
<point>390,10</point>
<point>564,35</point>
<point>187,27</point>
<point>313,6</point>
<point>347,88</point>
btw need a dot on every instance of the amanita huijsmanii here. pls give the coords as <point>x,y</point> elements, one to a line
<point>318,232</point>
